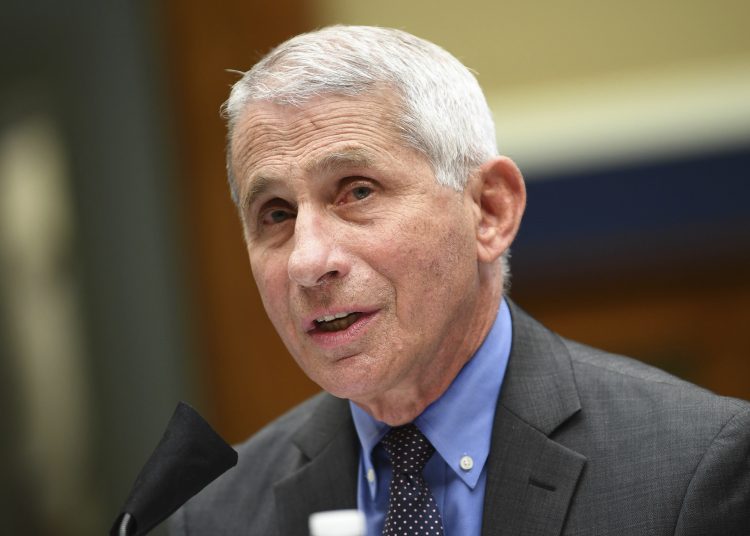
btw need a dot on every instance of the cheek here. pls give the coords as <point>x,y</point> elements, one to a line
<point>435,252</point>
<point>433,266</point>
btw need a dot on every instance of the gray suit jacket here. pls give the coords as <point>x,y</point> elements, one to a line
<point>583,443</point>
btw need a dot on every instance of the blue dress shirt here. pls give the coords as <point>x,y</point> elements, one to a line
<point>459,426</point>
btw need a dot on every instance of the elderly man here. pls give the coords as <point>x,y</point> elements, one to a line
<point>378,216</point>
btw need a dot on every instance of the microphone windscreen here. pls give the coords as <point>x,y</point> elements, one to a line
<point>189,456</point>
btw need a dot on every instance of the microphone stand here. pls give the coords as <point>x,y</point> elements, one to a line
<point>126,526</point>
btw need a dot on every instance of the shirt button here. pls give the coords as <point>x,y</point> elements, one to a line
<point>466,463</point>
<point>371,476</point>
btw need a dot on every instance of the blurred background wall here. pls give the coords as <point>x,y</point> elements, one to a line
<point>123,279</point>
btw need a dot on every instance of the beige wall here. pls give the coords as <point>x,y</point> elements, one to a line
<point>579,83</point>
<point>521,43</point>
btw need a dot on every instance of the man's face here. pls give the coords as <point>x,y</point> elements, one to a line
<point>366,266</point>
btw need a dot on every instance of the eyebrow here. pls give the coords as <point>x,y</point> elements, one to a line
<point>258,186</point>
<point>356,157</point>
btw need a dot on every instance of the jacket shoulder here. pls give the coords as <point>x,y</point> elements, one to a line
<point>665,447</point>
<point>614,377</point>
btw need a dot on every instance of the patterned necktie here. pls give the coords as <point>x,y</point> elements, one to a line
<point>412,510</point>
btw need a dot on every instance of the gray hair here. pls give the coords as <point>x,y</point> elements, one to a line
<point>441,110</point>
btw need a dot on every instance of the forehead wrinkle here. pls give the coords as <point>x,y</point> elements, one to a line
<point>347,157</point>
<point>245,147</point>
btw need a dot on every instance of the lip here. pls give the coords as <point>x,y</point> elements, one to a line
<point>332,339</point>
<point>308,323</point>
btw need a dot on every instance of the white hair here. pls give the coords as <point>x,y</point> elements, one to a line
<point>441,110</point>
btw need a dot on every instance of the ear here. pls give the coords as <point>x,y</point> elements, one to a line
<point>500,196</point>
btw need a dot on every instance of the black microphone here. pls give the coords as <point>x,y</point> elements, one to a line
<point>189,456</point>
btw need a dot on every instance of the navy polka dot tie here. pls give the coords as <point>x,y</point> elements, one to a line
<point>412,510</point>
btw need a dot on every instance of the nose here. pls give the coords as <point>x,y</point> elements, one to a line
<point>317,256</point>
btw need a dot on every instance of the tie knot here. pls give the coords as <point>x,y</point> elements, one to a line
<point>407,448</point>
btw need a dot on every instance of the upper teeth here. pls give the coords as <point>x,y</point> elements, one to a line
<point>328,318</point>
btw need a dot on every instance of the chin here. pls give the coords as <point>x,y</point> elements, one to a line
<point>352,390</point>
<point>353,385</point>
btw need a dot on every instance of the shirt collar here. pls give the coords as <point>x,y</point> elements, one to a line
<point>459,423</point>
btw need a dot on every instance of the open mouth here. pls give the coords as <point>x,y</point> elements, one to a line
<point>337,322</point>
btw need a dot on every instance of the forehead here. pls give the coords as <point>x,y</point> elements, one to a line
<point>271,135</point>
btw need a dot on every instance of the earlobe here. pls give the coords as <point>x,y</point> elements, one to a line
<point>501,197</point>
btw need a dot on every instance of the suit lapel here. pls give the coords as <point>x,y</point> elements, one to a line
<point>530,477</point>
<point>327,479</point>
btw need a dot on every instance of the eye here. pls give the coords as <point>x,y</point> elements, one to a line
<point>355,192</point>
<point>274,215</point>
<point>360,192</point>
